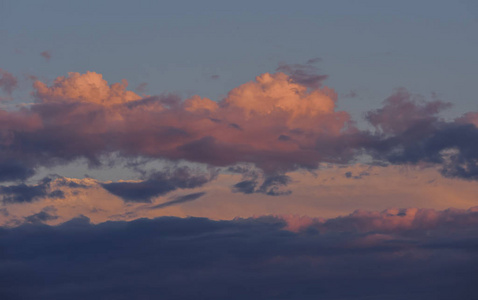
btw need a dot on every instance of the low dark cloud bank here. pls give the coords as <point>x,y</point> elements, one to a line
<point>362,256</point>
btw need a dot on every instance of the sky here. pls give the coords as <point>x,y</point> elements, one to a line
<point>240,150</point>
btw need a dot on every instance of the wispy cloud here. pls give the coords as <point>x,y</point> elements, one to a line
<point>46,55</point>
<point>179,200</point>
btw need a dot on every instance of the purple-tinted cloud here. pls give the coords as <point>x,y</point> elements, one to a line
<point>46,55</point>
<point>304,74</point>
<point>157,184</point>
<point>46,214</point>
<point>356,257</point>
<point>272,185</point>
<point>274,123</point>
<point>411,132</point>
<point>142,87</point>
<point>8,82</point>
<point>23,193</point>
<point>402,111</point>
<point>179,200</point>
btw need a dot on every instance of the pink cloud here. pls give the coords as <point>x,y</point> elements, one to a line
<point>471,117</point>
<point>89,88</point>
<point>388,221</point>
<point>244,127</point>
<point>8,82</point>
<point>403,110</point>
<point>275,122</point>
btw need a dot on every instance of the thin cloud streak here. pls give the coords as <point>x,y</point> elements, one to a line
<point>179,200</point>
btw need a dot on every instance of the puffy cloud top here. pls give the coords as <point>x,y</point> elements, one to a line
<point>88,87</point>
<point>277,92</point>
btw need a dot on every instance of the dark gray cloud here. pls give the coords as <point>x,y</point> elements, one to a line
<point>46,214</point>
<point>157,184</point>
<point>240,259</point>
<point>272,185</point>
<point>245,186</point>
<point>62,181</point>
<point>11,170</point>
<point>410,131</point>
<point>23,193</point>
<point>180,200</point>
<point>359,176</point>
<point>304,74</point>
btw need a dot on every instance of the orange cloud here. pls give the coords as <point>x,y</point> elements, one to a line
<point>89,87</point>
<point>272,122</point>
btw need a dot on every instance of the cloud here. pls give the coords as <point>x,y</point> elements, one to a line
<point>359,176</point>
<point>46,55</point>
<point>184,258</point>
<point>142,87</point>
<point>81,116</point>
<point>272,184</point>
<point>304,74</point>
<point>394,220</point>
<point>410,131</point>
<point>180,200</point>
<point>157,184</point>
<point>403,111</point>
<point>47,214</point>
<point>84,88</point>
<point>14,170</point>
<point>469,118</point>
<point>277,122</point>
<point>8,82</point>
<point>245,186</point>
<point>23,193</point>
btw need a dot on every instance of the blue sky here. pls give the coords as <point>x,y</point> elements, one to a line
<point>370,47</point>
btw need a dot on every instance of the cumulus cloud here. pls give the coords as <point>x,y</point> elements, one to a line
<point>184,258</point>
<point>276,122</point>
<point>272,122</point>
<point>88,88</point>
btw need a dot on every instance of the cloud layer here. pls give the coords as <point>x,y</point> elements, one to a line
<point>364,255</point>
<point>278,123</point>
